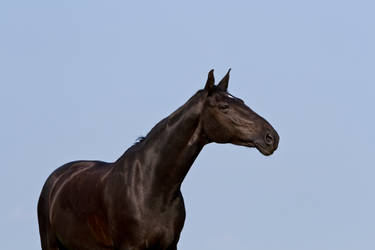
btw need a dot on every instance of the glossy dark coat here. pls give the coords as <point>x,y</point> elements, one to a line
<point>135,203</point>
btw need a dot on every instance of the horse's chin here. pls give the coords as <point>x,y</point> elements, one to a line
<point>250,144</point>
<point>263,150</point>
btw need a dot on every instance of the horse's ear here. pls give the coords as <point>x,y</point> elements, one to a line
<point>223,84</point>
<point>210,80</point>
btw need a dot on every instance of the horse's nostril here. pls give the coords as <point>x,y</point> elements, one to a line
<point>269,139</point>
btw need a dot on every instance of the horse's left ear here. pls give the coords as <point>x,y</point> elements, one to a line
<point>223,84</point>
<point>210,80</point>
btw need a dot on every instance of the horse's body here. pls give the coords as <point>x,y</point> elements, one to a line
<point>135,203</point>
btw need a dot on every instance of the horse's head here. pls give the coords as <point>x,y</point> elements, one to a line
<point>227,119</point>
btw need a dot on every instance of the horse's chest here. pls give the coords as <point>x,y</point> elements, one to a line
<point>159,233</point>
<point>146,221</point>
<point>164,228</point>
<point>158,227</point>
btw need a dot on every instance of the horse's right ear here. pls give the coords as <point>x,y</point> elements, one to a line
<point>210,80</point>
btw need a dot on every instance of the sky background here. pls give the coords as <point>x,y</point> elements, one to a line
<point>84,79</point>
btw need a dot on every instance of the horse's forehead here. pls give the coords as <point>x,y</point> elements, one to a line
<point>226,96</point>
<point>230,96</point>
<point>223,94</point>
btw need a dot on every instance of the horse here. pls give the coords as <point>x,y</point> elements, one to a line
<point>135,203</point>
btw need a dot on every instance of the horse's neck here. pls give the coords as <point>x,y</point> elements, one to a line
<point>175,154</point>
<point>171,147</point>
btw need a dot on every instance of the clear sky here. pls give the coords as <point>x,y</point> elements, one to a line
<point>84,79</point>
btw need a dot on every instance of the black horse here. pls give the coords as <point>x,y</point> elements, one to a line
<point>136,203</point>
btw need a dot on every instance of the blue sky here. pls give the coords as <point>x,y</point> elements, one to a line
<point>84,79</point>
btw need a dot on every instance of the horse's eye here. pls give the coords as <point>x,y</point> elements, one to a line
<point>223,106</point>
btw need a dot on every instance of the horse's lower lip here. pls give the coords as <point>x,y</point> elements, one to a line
<point>258,146</point>
<point>263,150</point>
